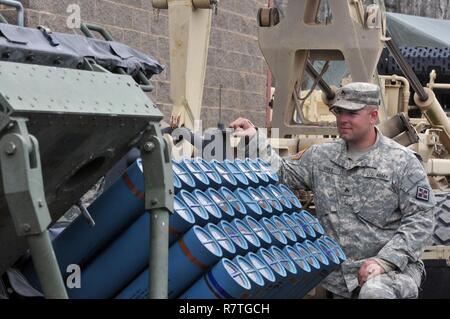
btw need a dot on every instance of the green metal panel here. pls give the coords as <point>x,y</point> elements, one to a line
<point>84,121</point>
<point>33,88</point>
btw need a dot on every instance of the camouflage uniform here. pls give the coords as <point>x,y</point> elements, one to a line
<point>379,206</point>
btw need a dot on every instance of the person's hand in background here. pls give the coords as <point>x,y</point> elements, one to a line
<point>243,127</point>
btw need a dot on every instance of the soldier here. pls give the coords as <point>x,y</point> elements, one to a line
<point>371,194</point>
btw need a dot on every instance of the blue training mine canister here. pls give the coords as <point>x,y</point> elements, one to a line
<point>79,242</point>
<point>114,267</point>
<point>221,202</point>
<point>224,281</point>
<point>291,196</point>
<point>285,202</point>
<point>287,231</point>
<point>214,213</point>
<point>278,270</point>
<point>292,278</point>
<point>238,239</point>
<point>307,228</point>
<point>176,183</point>
<point>200,213</point>
<point>256,279</point>
<point>254,167</point>
<point>200,178</point>
<point>186,179</point>
<point>320,256</point>
<point>239,209</point>
<point>266,207</point>
<point>296,227</point>
<point>238,174</point>
<point>215,181</point>
<point>228,179</point>
<point>308,257</point>
<point>264,237</point>
<point>329,253</point>
<point>225,242</point>
<point>277,207</point>
<point>252,207</point>
<point>116,262</point>
<point>317,273</point>
<point>268,170</point>
<point>189,258</point>
<point>252,239</point>
<point>251,176</point>
<point>334,246</point>
<point>266,272</point>
<point>277,236</point>
<point>313,221</point>
<point>180,221</point>
<point>303,270</point>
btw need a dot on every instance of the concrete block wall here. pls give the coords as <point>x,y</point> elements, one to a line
<point>234,62</point>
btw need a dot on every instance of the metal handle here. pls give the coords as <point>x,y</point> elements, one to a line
<point>146,86</point>
<point>86,28</point>
<point>19,9</point>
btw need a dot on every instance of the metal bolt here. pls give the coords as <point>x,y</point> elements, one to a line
<point>148,147</point>
<point>40,203</point>
<point>170,191</point>
<point>26,228</point>
<point>10,148</point>
<point>154,201</point>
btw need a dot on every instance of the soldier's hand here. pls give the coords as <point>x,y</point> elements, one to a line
<point>243,127</point>
<point>369,269</point>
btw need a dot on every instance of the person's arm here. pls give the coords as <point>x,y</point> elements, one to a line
<point>416,203</point>
<point>294,171</point>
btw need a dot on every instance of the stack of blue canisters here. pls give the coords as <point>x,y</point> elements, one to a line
<point>236,232</point>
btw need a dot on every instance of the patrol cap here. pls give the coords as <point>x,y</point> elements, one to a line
<point>355,96</point>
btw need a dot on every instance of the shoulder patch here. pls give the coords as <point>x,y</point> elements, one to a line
<point>423,193</point>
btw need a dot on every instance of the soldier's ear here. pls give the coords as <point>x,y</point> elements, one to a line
<point>373,116</point>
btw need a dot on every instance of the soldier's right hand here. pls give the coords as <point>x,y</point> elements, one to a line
<point>243,127</point>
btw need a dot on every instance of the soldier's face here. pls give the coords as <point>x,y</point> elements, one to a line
<point>355,126</point>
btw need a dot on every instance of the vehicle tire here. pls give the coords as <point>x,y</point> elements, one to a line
<point>441,235</point>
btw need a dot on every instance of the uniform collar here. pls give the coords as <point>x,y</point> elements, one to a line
<point>367,160</point>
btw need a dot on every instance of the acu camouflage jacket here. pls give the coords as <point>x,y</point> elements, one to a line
<point>378,206</point>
